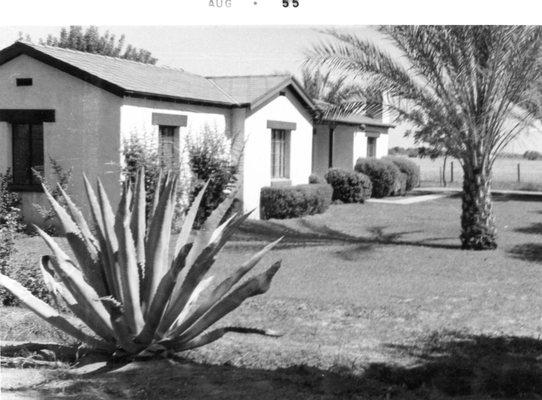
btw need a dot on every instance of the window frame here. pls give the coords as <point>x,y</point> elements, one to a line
<point>373,146</point>
<point>283,168</point>
<point>174,158</point>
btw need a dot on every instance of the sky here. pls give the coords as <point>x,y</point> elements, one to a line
<point>214,50</point>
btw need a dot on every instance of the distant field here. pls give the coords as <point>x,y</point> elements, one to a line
<point>504,171</point>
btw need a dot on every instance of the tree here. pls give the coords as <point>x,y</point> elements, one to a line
<point>468,89</point>
<point>91,41</point>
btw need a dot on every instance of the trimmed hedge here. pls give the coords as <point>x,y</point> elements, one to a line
<point>349,186</point>
<point>410,169</point>
<point>383,174</point>
<point>294,201</point>
<point>532,155</point>
<point>313,179</point>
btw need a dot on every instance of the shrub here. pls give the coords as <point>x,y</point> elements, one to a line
<point>349,186</point>
<point>397,151</point>
<point>209,156</point>
<point>399,188</point>
<point>27,272</point>
<point>383,175</point>
<point>532,155</point>
<point>315,179</point>
<point>412,152</point>
<point>294,201</point>
<point>409,168</point>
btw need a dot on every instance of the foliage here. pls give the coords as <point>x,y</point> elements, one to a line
<point>314,178</point>
<point>326,90</point>
<point>210,161</point>
<point>124,286</point>
<point>349,186</point>
<point>139,154</point>
<point>383,174</point>
<point>62,183</point>
<point>409,168</point>
<point>27,272</point>
<point>468,90</point>
<point>532,155</point>
<point>294,201</point>
<point>91,41</point>
<point>10,224</point>
<point>400,185</point>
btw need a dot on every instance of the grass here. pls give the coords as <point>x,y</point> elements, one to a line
<point>379,291</point>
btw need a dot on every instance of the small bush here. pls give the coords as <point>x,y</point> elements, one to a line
<point>294,201</point>
<point>315,179</point>
<point>409,168</point>
<point>349,186</point>
<point>397,151</point>
<point>399,188</point>
<point>383,174</point>
<point>209,156</point>
<point>532,155</point>
<point>412,152</point>
<point>27,272</point>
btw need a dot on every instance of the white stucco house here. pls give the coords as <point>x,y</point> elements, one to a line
<point>79,108</point>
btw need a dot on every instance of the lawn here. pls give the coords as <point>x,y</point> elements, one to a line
<point>379,291</point>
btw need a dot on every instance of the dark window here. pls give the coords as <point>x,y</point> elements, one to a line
<point>27,153</point>
<point>280,154</point>
<point>24,81</point>
<point>371,147</point>
<point>166,146</point>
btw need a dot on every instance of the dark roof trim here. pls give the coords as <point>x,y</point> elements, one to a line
<point>180,100</point>
<point>21,116</point>
<point>351,123</point>
<point>288,126</point>
<point>272,93</point>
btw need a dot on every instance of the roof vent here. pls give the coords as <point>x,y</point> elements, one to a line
<point>24,81</point>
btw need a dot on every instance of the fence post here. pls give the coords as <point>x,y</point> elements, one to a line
<point>440,176</point>
<point>519,173</point>
<point>452,171</point>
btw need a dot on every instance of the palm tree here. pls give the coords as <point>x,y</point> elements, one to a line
<point>467,89</point>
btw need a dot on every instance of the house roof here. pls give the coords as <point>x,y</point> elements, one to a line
<point>131,78</point>
<point>255,89</point>
<point>357,119</point>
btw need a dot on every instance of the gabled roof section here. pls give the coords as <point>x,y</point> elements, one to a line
<point>124,77</point>
<point>257,89</point>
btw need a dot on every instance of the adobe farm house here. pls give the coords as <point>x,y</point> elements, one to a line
<point>78,108</point>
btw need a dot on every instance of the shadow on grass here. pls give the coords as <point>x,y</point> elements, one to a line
<point>534,229</point>
<point>448,365</point>
<point>527,251</point>
<point>311,234</point>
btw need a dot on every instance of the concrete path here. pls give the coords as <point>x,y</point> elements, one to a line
<point>408,200</point>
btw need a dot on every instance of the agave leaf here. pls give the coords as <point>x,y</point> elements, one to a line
<point>194,297</point>
<point>46,312</point>
<point>188,222</point>
<point>73,279</point>
<point>139,223</point>
<point>221,290</point>
<point>84,250</point>
<point>204,259</point>
<point>253,287</point>
<point>163,293</point>
<point>157,244</point>
<point>157,193</point>
<point>214,220</point>
<point>111,267</point>
<point>209,337</point>
<point>79,310</point>
<point>128,264</point>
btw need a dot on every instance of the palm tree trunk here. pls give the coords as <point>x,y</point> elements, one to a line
<point>478,230</point>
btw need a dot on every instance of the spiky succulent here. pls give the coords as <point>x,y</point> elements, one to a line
<point>125,285</point>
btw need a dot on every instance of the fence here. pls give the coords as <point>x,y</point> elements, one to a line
<point>505,171</point>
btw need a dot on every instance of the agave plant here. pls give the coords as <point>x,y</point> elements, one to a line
<point>124,285</point>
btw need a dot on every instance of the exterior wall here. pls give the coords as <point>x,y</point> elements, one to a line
<point>320,147</point>
<point>84,137</point>
<point>257,150</point>
<point>343,144</point>
<point>360,146</point>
